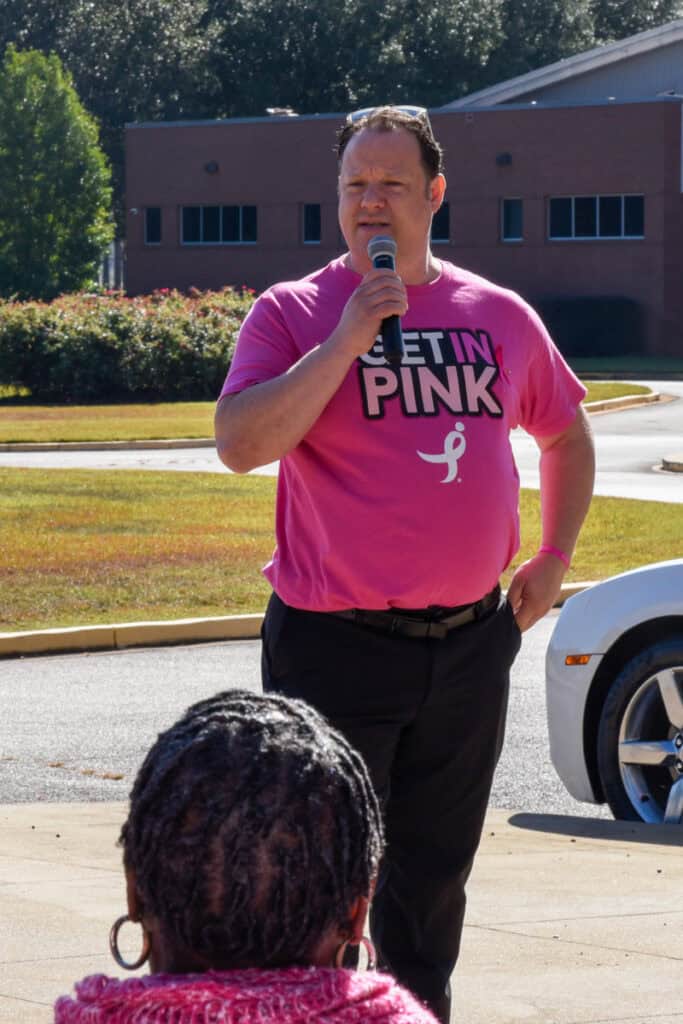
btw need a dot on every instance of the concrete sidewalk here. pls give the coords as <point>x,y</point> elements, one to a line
<point>570,920</point>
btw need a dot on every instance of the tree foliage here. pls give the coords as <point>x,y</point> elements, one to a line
<point>274,53</point>
<point>431,54</point>
<point>334,54</point>
<point>56,195</point>
<point>136,60</point>
<point>616,19</point>
<point>32,24</point>
<point>539,32</point>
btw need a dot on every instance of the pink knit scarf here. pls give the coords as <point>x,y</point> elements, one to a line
<point>295,995</point>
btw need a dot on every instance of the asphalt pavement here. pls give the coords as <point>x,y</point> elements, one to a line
<point>89,747</point>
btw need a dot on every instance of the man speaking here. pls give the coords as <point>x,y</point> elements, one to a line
<point>397,512</point>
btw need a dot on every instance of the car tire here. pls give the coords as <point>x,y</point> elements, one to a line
<point>640,736</point>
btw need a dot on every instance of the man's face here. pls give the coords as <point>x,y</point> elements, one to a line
<point>384,190</point>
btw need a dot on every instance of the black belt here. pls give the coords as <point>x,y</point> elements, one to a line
<point>434,622</point>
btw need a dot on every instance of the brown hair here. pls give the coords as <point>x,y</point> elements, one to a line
<point>388,119</point>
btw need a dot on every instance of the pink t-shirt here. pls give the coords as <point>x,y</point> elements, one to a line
<point>405,493</point>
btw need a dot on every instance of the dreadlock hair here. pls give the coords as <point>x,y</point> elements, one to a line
<point>388,119</point>
<point>252,829</point>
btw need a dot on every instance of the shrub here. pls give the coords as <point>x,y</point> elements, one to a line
<point>92,348</point>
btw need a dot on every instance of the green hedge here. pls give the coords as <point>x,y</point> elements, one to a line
<point>91,348</point>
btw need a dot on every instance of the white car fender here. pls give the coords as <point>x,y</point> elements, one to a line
<point>590,623</point>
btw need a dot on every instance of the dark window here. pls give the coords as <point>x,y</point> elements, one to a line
<point>513,220</point>
<point>312,225</point>
<point>192,224</point>
<point>634,216</point>
<point>560,218</point>
<point>610,217</point>
<point>211,224</point>
<point>249,227</point>
<point>441,224</point>
<point>231,224</point>
<point>152,225</point>
<point>596,217</point>
<point>585,219</point>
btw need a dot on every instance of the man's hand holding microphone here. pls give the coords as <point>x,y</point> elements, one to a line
<point>382,255</point>
<point>377,305</point>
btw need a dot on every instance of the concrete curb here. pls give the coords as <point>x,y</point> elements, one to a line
<point>673,463</point>
<point>129,634</point>
<point>155,634</point>
<point>624,402</point>
<point>106,446</point>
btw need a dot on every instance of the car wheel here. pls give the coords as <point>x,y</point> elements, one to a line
<point>640,737</point>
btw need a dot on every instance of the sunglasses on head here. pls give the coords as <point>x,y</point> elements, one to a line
<point>358,115</point>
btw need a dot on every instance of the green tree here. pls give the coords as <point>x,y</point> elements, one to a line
<point>55,199</point>
<point>279,53</point>
<point>536,33</point>
<point>432,53</point>
<point>616,19</point>
<point>330,55</point>
<point>32,24</point>
<point>130,60</point>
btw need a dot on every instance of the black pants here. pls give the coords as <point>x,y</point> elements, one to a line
<point>428,716</point>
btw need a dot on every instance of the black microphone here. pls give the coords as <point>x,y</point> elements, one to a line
<point>382,253</point>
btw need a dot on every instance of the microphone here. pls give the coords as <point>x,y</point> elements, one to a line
<point>382,253</point>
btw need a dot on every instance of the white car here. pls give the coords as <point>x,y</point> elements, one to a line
<point>614,688</point>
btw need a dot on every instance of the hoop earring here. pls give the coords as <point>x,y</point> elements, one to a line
<point>114,945</point>
<point>369,949</point>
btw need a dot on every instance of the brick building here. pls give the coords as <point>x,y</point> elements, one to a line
<point>564,183</point>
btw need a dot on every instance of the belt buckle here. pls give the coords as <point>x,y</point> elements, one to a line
<point>414,627</point>
<point>436,630</point>
<point>405,626</point>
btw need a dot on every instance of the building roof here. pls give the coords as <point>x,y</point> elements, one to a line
<point>571,67</point>
<point>283,118</point>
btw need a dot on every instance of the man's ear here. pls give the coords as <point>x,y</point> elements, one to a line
<point>437,190</point>
<point>132,898</point>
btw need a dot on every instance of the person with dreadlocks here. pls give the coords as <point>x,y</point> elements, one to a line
<point>250,850</point>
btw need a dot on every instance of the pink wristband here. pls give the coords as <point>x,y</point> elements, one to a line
<point>548,549</point>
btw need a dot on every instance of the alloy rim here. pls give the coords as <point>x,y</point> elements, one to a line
<point>651,748</point>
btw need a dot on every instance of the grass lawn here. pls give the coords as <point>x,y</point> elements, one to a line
<point>599,390</point>
<point>81,548</point>
<point>46,423</point>
<point>51,423</point>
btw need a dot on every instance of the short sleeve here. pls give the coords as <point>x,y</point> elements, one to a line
<point>553,392</point>
<point>265,348</point>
